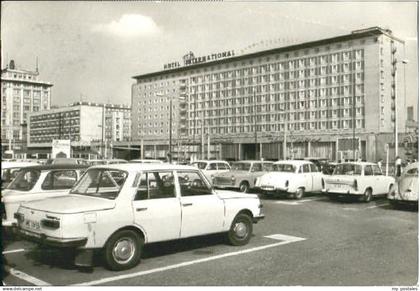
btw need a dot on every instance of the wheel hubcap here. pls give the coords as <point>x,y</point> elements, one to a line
<point>240,229</point>
<point>123,250</point>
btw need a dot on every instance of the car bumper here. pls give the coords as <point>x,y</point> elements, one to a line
<point>9,223</point>
<point>52,241</point>
<point>341,192</point>
<point>273,189</point>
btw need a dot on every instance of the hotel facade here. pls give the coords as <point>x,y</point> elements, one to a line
<point>332,98</point>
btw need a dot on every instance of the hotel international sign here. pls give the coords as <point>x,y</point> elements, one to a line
<point>189,59</point>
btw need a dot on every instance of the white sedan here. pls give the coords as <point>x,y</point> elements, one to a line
<point>212,168</point>
<point>361,179</point>
<point>118,208</point>
<point>291,177</point>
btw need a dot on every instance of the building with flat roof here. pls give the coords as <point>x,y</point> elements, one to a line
<point>329,98</point>
<point>91,128</point>
<point>22,93</point>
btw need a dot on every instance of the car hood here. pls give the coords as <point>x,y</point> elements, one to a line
<point>225,194</point>
<point>71,204</point>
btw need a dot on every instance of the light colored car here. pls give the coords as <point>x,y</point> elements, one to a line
<point>362,179</point>
<point>146,161</point>
<point>211,168</point>
<point>9,171</point>
<point>118,208</point>
<point>242,175</point>
<point>36,183</point>
<point>62,161</point>
<point>406,188</point>
<point>292,178</point>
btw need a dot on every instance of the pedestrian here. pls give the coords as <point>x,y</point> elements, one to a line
<point>380,163</point>
<point>398,163</point>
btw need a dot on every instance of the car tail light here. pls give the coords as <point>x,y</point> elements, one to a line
<point>286,184</point>
<point>323,183</point>
<point>355,184</point>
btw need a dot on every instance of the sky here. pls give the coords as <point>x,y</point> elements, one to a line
<point>91,50</point>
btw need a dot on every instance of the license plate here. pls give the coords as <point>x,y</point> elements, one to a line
<point>32,224</point>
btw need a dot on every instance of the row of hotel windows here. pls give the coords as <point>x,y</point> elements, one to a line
<point>21,76</point>
<point>322,125</point>
<point>55,115</point>
<point>45,139</point>
<point>54,131</point>
<point>54,123</point>
<point>18,86</point>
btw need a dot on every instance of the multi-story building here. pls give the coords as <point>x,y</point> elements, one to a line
<point>22,93</point>
<point>91,128</point>
<point>327,98</point>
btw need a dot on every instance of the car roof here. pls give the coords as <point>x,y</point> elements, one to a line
<point>411,166</point>
<point>293,162</point>
<point>210,161</point>
<point>144,167</point>
<point>253,161</point>
<point>57,167</point>
<point>360,163</point>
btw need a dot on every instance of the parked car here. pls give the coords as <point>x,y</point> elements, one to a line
<point>291,178</point>
<point>116,161</point>
<point>118,208</point>
<point>406,188</point>
<point>9,171</point>
<point>242,175</point>
<point>146,161</point>
<point>323,164</point>
<point>361,179</point>
<point>37,183</point>
<point>212,167</point>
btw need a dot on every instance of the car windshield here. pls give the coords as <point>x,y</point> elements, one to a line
<point>348,169</point>
<point>241,166</point>
<point>200,165</point>
<point>284,168</point>
<point>25,180</point>
<point>103,183</point>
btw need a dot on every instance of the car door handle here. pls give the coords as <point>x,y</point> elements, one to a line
<point>186,204</point>
<point>141,209</point>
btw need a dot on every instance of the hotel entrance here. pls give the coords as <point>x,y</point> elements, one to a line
<point>249,151</point>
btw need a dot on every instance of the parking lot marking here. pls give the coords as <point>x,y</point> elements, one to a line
<point>298,202</point>
<point>377,205</point>
<point>26,277</point>
<point>13,251</point>
<point>285,239</point>
<point>364,208</point>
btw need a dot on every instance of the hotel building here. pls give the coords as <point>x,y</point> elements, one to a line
<point>22,93</point>
<point>91,127</point>
<point>308,99</point>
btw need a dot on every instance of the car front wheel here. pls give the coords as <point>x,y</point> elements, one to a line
<point>367,197</point>
<point>244,187</point>
<point>123,250</point>
<point>241,230</point>
<point>300,192</point>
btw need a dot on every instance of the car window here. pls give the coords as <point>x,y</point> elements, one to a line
<point>200,165</point>
<point>257,167</point>
<point>376,170</point>
<point>63,179</point>
<point>156,185</point>
<point>192,184</point>
<point>284,168</point>
<point>306,168</point>
<point>348,169</point>
<point>368,171</point>
<point>103,183</point>
<point>267,167</point>
<point>212,166</point>
<point>25,180</point>
<point>222,166</point>
<point>314,168</point>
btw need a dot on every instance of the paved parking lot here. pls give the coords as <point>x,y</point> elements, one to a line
<point>310,242</point>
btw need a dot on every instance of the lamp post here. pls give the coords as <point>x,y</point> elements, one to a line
<point>396,108</point>
<point>255,126</point>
